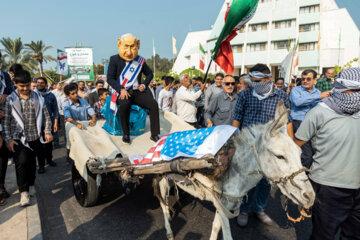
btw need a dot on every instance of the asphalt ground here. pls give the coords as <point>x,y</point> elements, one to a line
<point>138,215</point>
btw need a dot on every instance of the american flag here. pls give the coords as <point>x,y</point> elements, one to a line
<point>193,143</point>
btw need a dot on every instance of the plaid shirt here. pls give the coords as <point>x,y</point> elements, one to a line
<point>250,110</point>
<point>11,129</point>
<point>97,109</point>
<point>324,84</point>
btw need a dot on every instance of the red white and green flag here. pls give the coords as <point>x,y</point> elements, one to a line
<point>202,58</point>
<point>237,15</point>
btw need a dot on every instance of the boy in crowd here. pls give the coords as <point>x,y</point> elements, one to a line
<point>103,94</point>
<point>166,95</point>
<point>6,88</point>
<point>52,107</point>
<point>257,106</point>
<point>25,114</point>
<point>76,108</point>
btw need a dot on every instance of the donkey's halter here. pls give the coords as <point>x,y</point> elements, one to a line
<point>303,212</point>
<point>282,180</point>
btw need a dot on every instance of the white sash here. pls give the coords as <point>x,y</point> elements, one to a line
<point>18,116</point>
<point>2,82</point>
<point>129,75</point>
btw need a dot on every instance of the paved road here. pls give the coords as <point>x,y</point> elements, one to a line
<point>139,216</point>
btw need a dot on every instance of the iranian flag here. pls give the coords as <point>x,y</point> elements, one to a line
<point>62,66</point>
<point>238,14</point>
<point>202,58</point>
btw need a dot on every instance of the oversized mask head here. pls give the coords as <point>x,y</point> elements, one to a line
<point>128,47</point>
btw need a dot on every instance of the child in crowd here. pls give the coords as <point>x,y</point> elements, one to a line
<point>76,108</point>
<point>166,95</point>
<point>25,113</point>
<point>103,94</point>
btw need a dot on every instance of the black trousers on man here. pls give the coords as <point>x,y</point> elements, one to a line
<point>307,150</point>
<point>25,163</point>
<point>335,208</point>
<point>144,100</point>
<point>3,165</point>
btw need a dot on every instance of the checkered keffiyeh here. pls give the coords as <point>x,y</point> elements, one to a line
<point>346,103</point>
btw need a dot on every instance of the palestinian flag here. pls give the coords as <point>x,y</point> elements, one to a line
<point>202,58</point>
<point>239,13</point>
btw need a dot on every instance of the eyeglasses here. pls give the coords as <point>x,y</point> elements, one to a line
<point>306,79</point>
<point>229,83</point>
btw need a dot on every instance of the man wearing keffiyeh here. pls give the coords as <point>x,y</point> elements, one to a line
<point>257,105</point>
<point>333,127</point>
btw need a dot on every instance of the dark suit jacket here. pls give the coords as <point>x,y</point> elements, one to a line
<point>93,98</point>
<point>116,66</point>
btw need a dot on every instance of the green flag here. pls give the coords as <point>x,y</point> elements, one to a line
<point>238,14</point>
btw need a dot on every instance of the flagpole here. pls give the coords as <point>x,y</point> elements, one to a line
<point>154,55</point>
<point>339,47</point>
<point>207,71</point>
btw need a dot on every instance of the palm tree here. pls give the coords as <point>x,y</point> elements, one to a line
<point>37,49</point>
<point>15,53</point>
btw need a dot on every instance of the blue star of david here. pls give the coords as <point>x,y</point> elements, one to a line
<point>132,69</point>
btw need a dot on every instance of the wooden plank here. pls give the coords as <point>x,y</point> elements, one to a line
<point>165,167</point>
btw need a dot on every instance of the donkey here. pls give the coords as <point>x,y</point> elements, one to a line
<point>263,150</point>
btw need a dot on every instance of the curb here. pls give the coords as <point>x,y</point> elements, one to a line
<point>33,221</point>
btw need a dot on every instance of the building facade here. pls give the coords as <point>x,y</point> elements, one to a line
<point>327,36</point>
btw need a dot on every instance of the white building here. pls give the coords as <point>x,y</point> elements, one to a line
<point>327,36</point>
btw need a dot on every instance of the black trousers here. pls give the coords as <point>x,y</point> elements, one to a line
<point>144,100</point>
<point>307,150</point>
<point>25,164</point>
<point>45,153</point>
<point>61,130</point>
<point>4,153</point>
<point>335,208</point>
<point>200,116</point>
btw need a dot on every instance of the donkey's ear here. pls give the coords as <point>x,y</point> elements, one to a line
<point>280,109</point>
<point>281,118</point>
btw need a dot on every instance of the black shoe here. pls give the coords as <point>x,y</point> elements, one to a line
<point>126,139</point>
<point>4,193</point>
<point>41,170</point>
<point>52,164</point>
<point>154,138</point>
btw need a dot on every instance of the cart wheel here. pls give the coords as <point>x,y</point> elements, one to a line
<point>86,193</point>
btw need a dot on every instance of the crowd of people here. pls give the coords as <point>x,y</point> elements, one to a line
<point>323,121</point>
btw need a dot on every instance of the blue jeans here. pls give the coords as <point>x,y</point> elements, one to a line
<point>258,196</point>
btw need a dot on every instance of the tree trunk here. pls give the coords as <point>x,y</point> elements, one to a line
<point>41,69</point>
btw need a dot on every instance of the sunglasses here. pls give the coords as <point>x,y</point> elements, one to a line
<point>229,83</point>
<point>306,79</point>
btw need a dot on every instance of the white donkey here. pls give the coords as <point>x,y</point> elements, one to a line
<point>261,150</point>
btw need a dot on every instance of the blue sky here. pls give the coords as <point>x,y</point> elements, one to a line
<point>62,23</point>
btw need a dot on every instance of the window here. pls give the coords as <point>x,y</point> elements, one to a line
<point>258,27</point>
<point>311,46</point>
<point>255,47</point>
<point>243,29</point>
<point>237,48</point>
<point>284,24</point>
<point>309,27</point>
<point>281,44</point>
<point>310,9</point>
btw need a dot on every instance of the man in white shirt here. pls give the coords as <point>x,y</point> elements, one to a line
<point>60,98</point>
<point>185,100</point>
<point>166,95</point>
